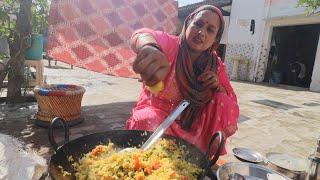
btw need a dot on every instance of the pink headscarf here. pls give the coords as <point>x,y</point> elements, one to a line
<point>187,72</point>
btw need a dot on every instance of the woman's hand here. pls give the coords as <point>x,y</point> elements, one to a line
<point>210,80</point>
<point>151,64</point>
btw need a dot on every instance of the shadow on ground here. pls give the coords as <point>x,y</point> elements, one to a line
<point>57,67</point>
<point>97,118</point>
<point>277,86</point>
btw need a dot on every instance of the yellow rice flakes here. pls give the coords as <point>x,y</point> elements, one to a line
<point>165,160</point>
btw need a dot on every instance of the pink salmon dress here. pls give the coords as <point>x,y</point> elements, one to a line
<point>220,114</point>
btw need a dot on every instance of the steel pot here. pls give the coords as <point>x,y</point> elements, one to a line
<point>292,167</point>
<point>247,171</point>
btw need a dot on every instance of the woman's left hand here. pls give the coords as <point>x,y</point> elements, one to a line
<point>210,80</point>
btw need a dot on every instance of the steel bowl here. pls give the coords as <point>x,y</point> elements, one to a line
<point>247,171</point>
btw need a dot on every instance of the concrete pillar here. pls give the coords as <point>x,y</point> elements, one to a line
<point>315,80</point>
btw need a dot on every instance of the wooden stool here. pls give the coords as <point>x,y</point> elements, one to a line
<point>38,64</point>
<point>236,61</point>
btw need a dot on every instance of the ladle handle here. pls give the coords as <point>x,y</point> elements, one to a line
<point>165,124</point>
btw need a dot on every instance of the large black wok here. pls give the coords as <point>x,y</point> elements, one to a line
<point>121,138</point>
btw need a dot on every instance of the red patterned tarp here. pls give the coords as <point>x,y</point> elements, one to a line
<point>94,34</point>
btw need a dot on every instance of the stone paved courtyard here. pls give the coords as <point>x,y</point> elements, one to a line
<point>279,119</point>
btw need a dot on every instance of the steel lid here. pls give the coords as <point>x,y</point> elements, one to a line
<point>248,155</point>
<point>287,161</point>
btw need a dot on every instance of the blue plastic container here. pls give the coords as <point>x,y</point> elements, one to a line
<point>276,77</point>
<point>36,49</point>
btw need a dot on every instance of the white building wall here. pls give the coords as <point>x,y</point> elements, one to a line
<point>255,48</point>
<point>283,13</point>
<point>224,38</point>
<point>261,65</point>
<point>315,80</point>
<point>241,42</point>
<point>283,8</point>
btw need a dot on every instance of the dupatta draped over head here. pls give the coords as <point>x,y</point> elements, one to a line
<point>187,72</point>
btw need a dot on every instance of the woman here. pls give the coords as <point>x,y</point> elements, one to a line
<point>190,69</point>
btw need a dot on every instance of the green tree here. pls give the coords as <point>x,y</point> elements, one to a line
<point>40,15</point>
<point>18,20</point>
<point>310,5</point>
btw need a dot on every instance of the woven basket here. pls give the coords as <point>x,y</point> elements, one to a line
<point>58,100</point>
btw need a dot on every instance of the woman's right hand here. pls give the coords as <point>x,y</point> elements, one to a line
<point>151,64</point>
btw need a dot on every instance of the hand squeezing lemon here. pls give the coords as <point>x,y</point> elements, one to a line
<point>155,89</point>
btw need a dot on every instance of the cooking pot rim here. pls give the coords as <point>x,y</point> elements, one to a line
<point>207,167</point>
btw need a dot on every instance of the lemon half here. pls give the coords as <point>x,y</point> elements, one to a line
<point>155,89</point>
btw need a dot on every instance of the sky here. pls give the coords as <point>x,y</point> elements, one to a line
<point>186,2</point>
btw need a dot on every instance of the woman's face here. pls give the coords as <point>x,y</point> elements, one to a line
<point>202,31</point>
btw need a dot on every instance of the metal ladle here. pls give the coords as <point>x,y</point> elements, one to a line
<point>163,127</point>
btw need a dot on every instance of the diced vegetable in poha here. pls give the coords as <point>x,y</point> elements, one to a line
<point>165,160</point>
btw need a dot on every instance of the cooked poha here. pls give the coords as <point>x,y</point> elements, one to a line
<point>165,160</point>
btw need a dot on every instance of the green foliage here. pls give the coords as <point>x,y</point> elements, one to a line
<point>40,12</point>
<point>10,8</point>
<point>8,11</point>
<point>310,5</point>
<point>2,57</point>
